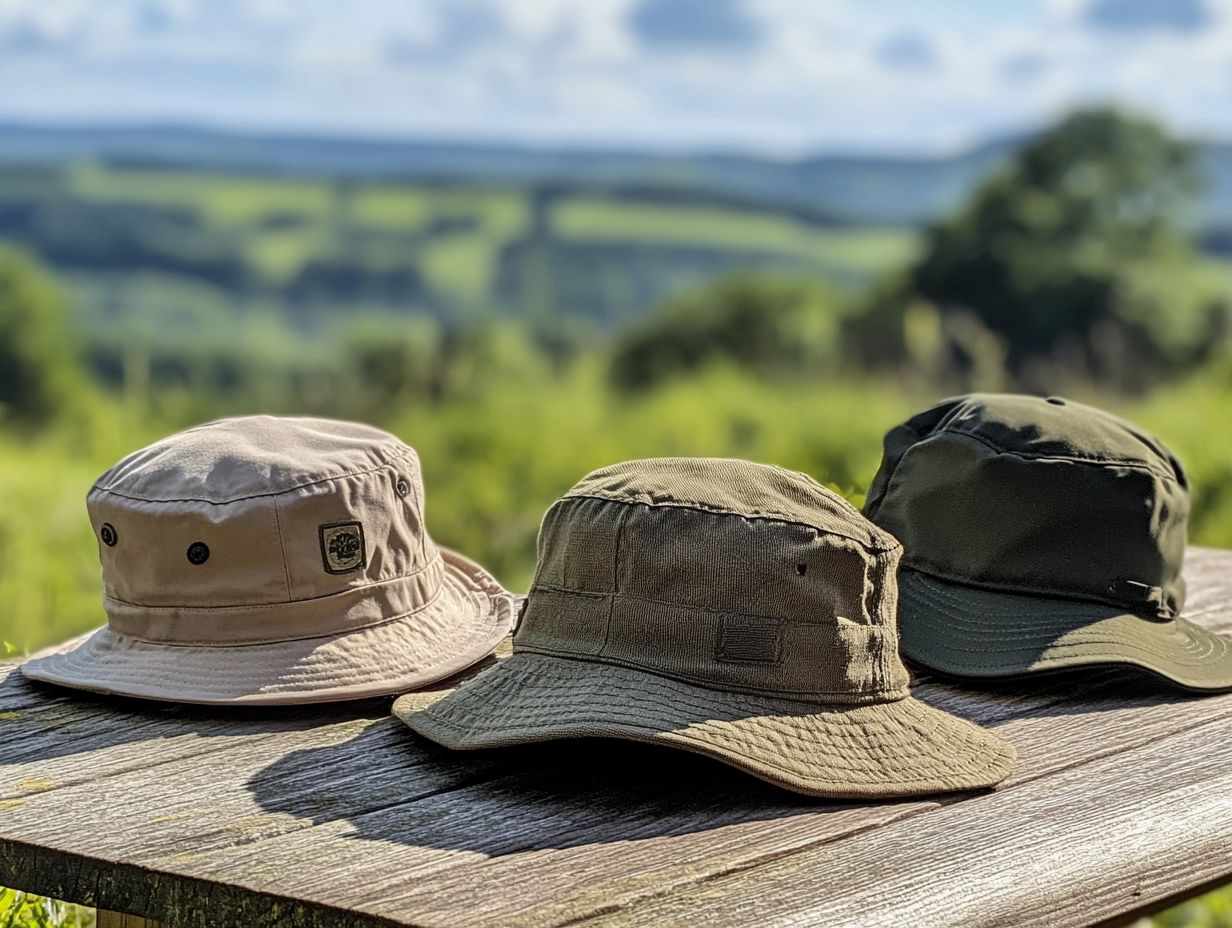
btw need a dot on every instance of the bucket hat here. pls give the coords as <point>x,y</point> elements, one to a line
<point>728,608</point>
<point>274,560</point>
<point>1040,534</point>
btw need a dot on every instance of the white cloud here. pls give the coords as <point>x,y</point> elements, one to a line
<point>806,75</point>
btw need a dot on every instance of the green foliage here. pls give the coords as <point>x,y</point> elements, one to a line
<point>395,364</point>
<point>1072,259</point>
<point>762,323</point>
<point>22,910</point>
<point>37,372</point>
<point>49,583</point>
<point>1189,416</point>
<point>1214,910</point>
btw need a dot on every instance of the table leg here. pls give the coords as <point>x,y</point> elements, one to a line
<point>120,920</point>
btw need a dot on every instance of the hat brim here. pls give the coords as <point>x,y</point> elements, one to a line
<point>872,751</point>
<point>963,631</point>
<point>461,626</point>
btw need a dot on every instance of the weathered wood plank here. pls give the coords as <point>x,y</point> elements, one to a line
<point>54,744</point>
<point>120,920</point>
<point>1208,574</point>
<point>1070,849</point>
<point>490,832</point>
<point>571,879</point>
<point>330,818</point>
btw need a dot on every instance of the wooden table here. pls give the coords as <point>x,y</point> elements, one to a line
<point>1121,802</point>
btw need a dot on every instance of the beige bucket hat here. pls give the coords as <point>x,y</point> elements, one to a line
<point>274,560</point>
<point>728,608</point>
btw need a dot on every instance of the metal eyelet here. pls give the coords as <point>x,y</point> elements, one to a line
<point>108,535</point>
<point>198,553</point>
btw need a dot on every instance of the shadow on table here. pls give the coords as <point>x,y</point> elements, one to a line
<point>393,785</point>
<point>40,722</point>
<point>1062,692</point>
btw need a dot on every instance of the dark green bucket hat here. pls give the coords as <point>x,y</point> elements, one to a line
<point>1040,534</point>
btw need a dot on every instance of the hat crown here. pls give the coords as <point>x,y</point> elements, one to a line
<point>206,534</point>
<point>1036,495</point>
<point>720,572</point>
<point>251,456</point>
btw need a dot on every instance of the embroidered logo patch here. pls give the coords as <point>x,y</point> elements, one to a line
<point>342,547</point>
<point>748,639</point>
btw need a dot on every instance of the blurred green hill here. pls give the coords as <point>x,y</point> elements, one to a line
<point>176,262</point>
<point>862,190</point>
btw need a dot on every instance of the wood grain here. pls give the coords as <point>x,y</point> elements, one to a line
<point>1071,849</point>
<point>120,920</point>
<point>340,816</point>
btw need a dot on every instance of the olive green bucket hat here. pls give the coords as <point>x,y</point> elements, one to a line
<point>732,609</point>
<point>1040,534</point>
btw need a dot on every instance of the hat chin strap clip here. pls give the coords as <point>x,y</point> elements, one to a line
<point>1143,594</point>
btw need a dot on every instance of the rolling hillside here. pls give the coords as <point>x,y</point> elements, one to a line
<point>858,189</point>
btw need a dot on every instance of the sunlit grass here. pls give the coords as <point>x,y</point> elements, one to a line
<point>22,910</point>
<point>600,218</point>
<point>226,198</point>
<point>461,265</point>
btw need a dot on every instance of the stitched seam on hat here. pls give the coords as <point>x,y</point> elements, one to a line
<point>873,696</point>
<point>417,483</point>
<point>1181,658</point>
<point>282,545</point>
<point>711,610</point>
<point>1065,595</point>
<point>767,516</point>
<point>339,633</point>
<point>277,605</point>
<point>805,477</point>
<point>215,643</point>
<point>949,604</point>
<point>611,600</point>
<point>99,488</point>
<point>954,597</point>
<point>972,762</point>
<point>1094,460</point>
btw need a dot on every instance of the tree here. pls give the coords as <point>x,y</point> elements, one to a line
<point>38,369</point>
<point>756,322</point>
<point>1060,257</point>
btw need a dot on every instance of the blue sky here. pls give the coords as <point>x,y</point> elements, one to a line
<point>775,76</point>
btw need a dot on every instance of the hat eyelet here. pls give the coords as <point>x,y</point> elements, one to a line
<point>108,535</point>
<point>198,553</point>
<point>402,486</point>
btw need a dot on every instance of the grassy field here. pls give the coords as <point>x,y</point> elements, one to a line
<point>867,250</point>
